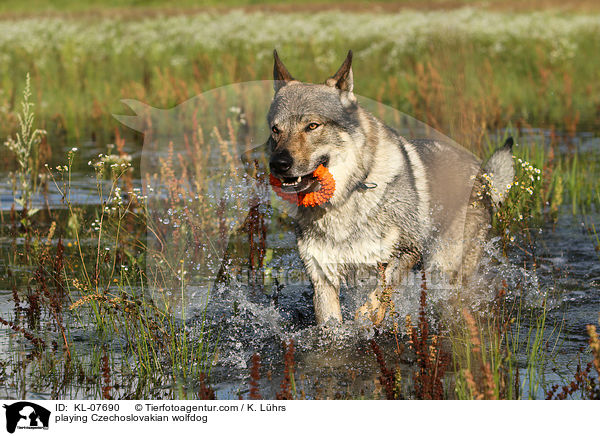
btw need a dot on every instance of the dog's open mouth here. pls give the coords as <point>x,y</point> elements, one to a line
<point>305,184</point>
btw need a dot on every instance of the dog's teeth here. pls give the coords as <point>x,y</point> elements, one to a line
<point>299,179</point>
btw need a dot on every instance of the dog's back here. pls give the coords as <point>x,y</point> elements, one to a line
<point>455,220</point>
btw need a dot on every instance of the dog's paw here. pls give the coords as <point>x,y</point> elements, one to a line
<point>373,310</point>
<point>330,332</point>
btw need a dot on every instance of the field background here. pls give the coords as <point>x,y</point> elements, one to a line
<point>462,70</point>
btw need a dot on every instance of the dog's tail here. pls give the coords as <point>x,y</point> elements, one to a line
<point>500,172</point>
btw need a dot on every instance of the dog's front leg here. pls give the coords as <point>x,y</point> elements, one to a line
<point>326,300</point>
<point>326,285</point>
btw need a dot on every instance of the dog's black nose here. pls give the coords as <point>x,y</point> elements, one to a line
<point>281,161</point>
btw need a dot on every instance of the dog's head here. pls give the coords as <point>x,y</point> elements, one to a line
<point>312,125</point>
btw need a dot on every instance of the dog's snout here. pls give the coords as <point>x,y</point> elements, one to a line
<point>281,161</point>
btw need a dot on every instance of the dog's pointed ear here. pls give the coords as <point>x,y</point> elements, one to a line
<point>280,73</point>
<point>343,79</point>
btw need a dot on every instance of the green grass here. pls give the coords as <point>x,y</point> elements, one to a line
<point>96,282</point>
<point>37,6</point>
<point>491,348</point>
<point>484,72</point>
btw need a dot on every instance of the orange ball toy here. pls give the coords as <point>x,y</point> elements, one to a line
<point>311,199</point>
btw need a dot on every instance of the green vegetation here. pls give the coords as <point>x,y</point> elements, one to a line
<point>463,71</point>
<point>41,6</point>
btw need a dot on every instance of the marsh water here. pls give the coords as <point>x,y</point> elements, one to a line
<point>340,363</point>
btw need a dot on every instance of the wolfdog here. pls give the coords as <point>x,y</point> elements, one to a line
<point>397,203</point>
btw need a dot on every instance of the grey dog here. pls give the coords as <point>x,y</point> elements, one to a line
<point>397,202</point>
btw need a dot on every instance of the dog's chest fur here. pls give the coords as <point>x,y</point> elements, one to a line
<point>346,237</point>
<point>364,229</point>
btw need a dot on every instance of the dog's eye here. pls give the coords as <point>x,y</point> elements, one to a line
<point>274,129</point>
<point>312,126</point>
